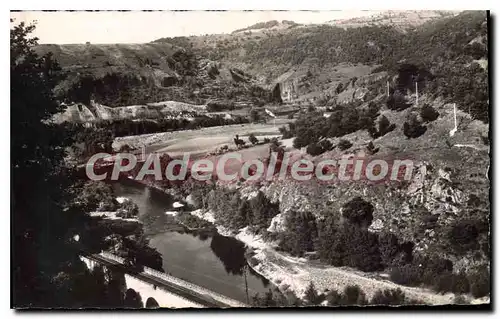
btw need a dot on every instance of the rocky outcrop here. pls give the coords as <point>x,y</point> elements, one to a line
<point>96,112</point>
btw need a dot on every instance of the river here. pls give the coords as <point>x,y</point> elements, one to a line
<point>206,259</point>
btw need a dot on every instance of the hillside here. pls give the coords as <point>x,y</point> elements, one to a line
<point>402,20</point>
<point>137,74</point>
<point>444,45</point>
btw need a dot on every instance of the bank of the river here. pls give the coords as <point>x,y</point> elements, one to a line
<point>293,273</point>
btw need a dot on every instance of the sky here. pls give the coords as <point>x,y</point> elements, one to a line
<point>138,27</point>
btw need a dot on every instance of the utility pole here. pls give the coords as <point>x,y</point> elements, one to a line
<point>454,130</point>
<point>246,283</point>
<point>416,90</point>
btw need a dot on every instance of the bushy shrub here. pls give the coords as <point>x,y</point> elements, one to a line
<point>312,297</point>
<point>252,139</point>
<point>408,275</point>
<point>326,145</point>
<point>353,295</point>
<point>479,281</point>
<point>286,133</point>
<point>462,235</point>
<point>333,298</point>
<point>314,149</point>
<point>388,297</point>
<point>344,145</point>
<point>254,116</point>
<point>362,251</point>
<point>450,282</point>
<point>428,113</point>
<point>397,102</point>
<point>371,148</point>
<point>384,126</point>
<point>389,248</point>
<point>413,128</point>
<point>97,195</point>
<point>358,211</point>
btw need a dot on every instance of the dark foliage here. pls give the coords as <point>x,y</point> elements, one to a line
<point>275,298</point>
<point>462,235</point>
<point>353,295</point>
<point>413,128</point>
<point>313,127</point>
<point>408,275</point>
<point>344,145</point>
<point>301,233</point>
<point>384,127</point>
<point>312,298</point>
<point>252,139</point>
<point>319,148</point>
<point>358,211</point>
<point>479,281</point>
<point>388,297</point>
<point>428,113</point>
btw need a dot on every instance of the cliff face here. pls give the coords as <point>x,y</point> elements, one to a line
<point>342,83</point>
<point>97,112</point>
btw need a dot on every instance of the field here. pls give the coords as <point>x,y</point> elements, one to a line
<point>199,142</point>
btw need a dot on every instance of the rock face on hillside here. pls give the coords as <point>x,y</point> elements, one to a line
<point>404,209</point>
<point>81,113</point>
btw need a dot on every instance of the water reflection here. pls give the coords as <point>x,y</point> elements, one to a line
<point>231,252</point>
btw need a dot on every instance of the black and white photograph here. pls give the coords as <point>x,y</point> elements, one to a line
<point>250,159</point>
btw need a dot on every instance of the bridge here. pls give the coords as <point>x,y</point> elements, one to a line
<point>167,290</point>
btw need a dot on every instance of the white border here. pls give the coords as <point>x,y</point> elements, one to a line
<point>212,5</point>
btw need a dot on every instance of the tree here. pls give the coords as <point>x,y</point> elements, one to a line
<point>43,222</point>
<point>480,282</point>
<point>331,241</point>
<point>312,297</point>
<point>252,139</point>
<point>358,211</point>
<point>262,211</point>
<point>462,235</point>
<point>413,128</point>
<point>254,116</point>
<point>132,300</point>
<point>344,145</point>
<point>314,149</point>
<point>428,113</point>
<point>362,249</point>
<point>334,298</point>
<point>389,248</point>
<point>353,295</point>
<point>96,195</point>
<point>408,275</point>
<point>128,209</point>
<point>384,126</point>
<point>300,234</point>
<point>371,148</point>
<point>388,297</point>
